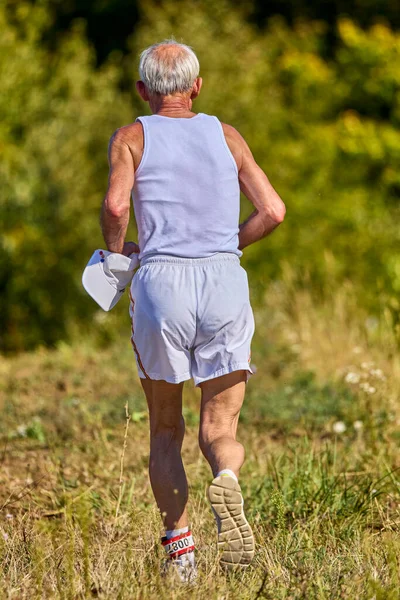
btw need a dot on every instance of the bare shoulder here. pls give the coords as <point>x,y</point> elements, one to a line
<point>231,132</point>
<point>129,132</point>
<point>236,143</point>
<point>132,136</point>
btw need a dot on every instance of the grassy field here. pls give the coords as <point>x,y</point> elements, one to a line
<point>321,426</point>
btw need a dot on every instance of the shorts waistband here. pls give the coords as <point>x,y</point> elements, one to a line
<point>190,262</point>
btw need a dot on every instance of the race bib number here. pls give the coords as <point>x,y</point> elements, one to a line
<point>179,544</point>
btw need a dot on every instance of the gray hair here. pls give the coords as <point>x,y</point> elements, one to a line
<point>168,68</point>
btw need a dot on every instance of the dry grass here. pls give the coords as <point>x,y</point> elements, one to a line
<point>325,505</point>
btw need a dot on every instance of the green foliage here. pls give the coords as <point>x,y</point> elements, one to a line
<point>58,113</point>
<point>324,130</point>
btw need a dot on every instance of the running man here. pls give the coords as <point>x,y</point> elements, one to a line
<point>190,308</point>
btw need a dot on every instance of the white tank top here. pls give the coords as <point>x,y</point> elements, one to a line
<point>186,194</point>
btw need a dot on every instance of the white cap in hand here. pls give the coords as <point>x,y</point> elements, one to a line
<point>106,276</point>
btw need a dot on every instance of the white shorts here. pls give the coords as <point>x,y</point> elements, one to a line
<point>191,317</point>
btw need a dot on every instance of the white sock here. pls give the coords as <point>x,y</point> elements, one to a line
<point>170,533</point>
<point>228,472</point>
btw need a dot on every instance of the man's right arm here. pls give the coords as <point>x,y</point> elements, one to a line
<point>269,209</point>
<point>124,154</point>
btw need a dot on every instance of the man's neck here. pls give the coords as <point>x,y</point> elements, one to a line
<point>171,106</point>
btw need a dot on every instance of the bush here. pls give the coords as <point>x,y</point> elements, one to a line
<point>324,130</point>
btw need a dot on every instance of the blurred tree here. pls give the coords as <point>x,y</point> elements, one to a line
<point>364,12</point>
<point>57,116</point>
<point>326,131</point>
<point>111,22</point>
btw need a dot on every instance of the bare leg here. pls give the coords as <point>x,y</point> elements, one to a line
<point>167,429</point>
<point>221,401</point>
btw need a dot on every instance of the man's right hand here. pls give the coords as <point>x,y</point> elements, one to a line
<point>130,248</point>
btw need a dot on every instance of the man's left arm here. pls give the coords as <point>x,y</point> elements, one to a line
<point>269,209</point>
<point>116,205</point>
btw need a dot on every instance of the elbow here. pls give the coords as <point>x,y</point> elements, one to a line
<point>280,214</point>
<point>115,211</point>
<point>274,215</point>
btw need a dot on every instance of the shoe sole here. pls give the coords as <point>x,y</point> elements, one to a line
<point>235,539</point>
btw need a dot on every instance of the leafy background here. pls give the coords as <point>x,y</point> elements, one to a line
<point>314,88</point>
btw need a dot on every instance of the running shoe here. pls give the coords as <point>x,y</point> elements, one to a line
<point>235,537</point>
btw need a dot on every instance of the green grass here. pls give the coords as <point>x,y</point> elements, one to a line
<point>321,480</point>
